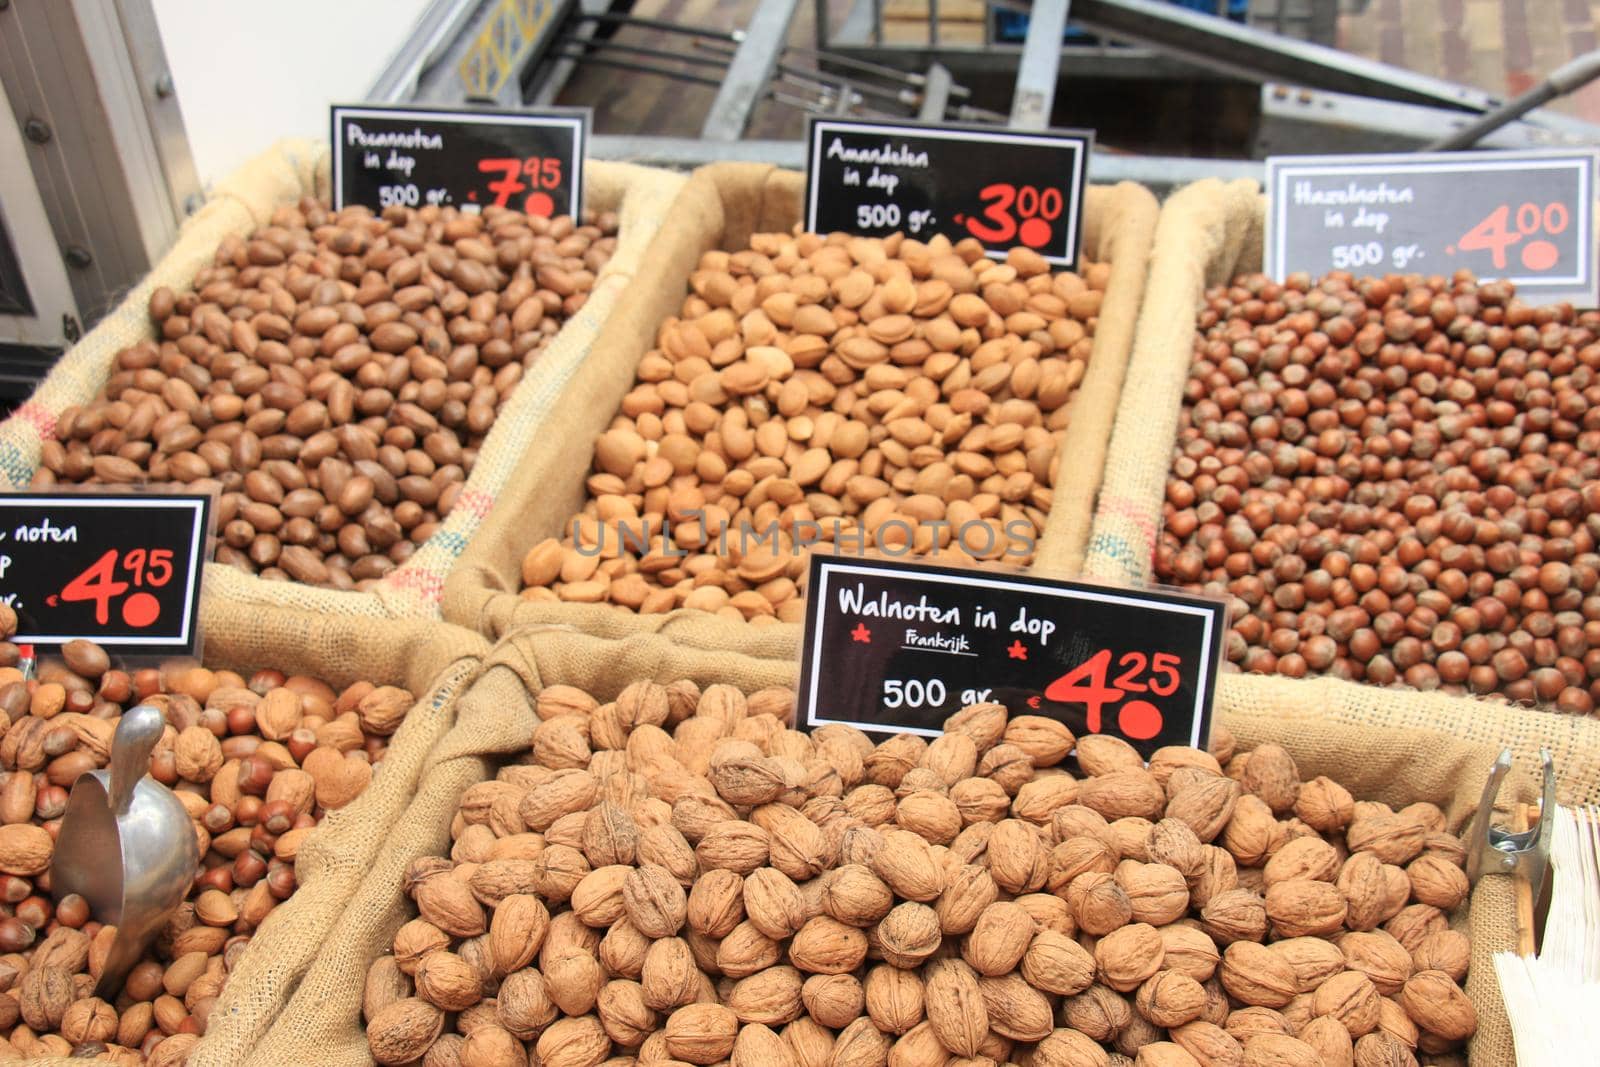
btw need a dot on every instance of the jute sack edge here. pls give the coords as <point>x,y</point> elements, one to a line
<point>430,659</point>
<point>641,196</point>
<point>1425,746</point>
<point>239,203</point>
<point>495,720</point>
<point>721,206</point>
<point>1400,748</point>
<point>1200,238</point>
<point>245,200</point>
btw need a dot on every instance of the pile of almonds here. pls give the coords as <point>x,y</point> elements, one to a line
<point>334,376</point>
<point>889,394</point>
<point>1396,480</point>
<point>679,877</point>
<point>256,761</point>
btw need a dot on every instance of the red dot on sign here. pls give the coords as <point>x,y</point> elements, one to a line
<point>1139,719</point>
<point>960,219</point>
<point>140,610</point>
<point>1450,250</point>
<point>472,196</point>
<point>52,601</point>
<point>1540,255</point>
<point>1035,233</point>
<point>541,205</point>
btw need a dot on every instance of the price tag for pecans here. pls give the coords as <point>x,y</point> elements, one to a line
<point>1526,217</point>
<point>1005,188</point>
<point>414,156</point>
<point>120,569</point>
<point>896,647</point>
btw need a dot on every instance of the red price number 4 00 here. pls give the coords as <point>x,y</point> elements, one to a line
<point>541,174</point>
<point>1499,230</point>
<point>1004,203</point>
<point>1090,683</point>
<point>99,583</point>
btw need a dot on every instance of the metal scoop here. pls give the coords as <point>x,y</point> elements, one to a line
<point>127,846</point>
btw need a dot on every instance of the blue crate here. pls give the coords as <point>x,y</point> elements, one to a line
<point>1011,27</point>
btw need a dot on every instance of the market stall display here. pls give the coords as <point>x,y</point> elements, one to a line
<point>1389,477</point>
<point>613,786</point>
<point>911,392</point>
<point>360,388</point>
<point>285,770</point>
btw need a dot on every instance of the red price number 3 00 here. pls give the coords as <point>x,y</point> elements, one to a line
<point>99,583</point>
<point>1088,684</point>
<point>541,174</point>
<point>1004,203</point>
<point>1493,234</point>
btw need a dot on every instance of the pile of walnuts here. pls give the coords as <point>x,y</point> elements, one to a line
<point>679,877</point>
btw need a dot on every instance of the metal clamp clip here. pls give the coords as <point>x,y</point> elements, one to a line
<point>1492,850</point>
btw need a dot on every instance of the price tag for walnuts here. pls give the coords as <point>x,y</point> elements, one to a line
<point>1006,188</point>
<point>1523,217</point>
<point>413,156</point>
<point>899,647</point>
<point>122,570</point>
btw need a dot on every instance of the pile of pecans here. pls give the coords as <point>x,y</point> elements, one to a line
<point>890,394</point>
<point>1395,480</point>
<point>334,376</point>
<point>256,761</point>
<point>679,877</point>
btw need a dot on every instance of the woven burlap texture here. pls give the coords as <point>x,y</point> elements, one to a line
<point>1396,748</point>
<point>494,721</point>
<point>246,199</point>
<point>720,207</point>
<point>1207,233</point>
<point>436,662</point>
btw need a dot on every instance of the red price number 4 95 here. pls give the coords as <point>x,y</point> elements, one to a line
<point>541,174</point>
<point>1004,203</point>
<point>1088,684</point>
<point>1494,234</point>
<point>99,583</point>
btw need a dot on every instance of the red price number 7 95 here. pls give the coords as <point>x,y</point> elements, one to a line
<point>1088,684</point>
<point>99,583</point>
<point>540,174</point>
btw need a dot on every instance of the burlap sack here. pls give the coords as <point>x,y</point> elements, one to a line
<point>494,720</point>
<point>1208,232</point>
<point>721,206</point>
<point>436,662</point>
<point>1395,748</point>
<point>245,200</point>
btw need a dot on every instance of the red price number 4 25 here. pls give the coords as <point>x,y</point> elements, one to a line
<point>99,583</point>
<point>1090,684</point>
<point>541,174</point>
<point>1494,234</point>
<point>1004,203</point>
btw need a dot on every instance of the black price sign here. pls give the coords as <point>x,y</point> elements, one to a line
<point>385,156</point>
<point>899,647</point>
<point>1523,217</point>
<point>1007,189</point>
<point>122,570</point>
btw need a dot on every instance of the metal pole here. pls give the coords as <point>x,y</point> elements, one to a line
<point>936,97</point>
<point>1036,73</point>
<point>752,68</point>
<point>1565,79</point>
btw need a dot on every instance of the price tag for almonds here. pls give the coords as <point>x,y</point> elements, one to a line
<point>899,647</point>
<point>120,569</point>
<point>411,157</point>
<point>1006,188</point>
<point>1523,217</point>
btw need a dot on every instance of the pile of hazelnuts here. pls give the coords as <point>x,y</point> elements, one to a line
<point>1395,480</point>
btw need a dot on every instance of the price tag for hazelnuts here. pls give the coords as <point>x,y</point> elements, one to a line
<point>120,569</point>
<point>1526,217</point>
<point>895,647</point>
